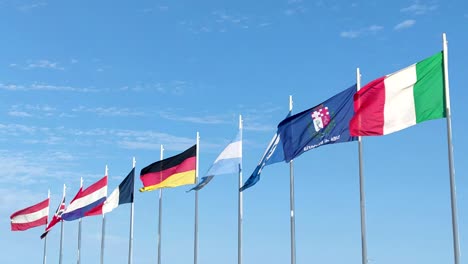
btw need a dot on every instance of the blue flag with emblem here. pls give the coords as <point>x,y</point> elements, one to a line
<point>326,123</point>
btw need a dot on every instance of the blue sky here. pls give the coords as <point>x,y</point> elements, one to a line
<point>89,83</point>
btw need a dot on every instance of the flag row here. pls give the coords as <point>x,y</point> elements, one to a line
<point>383,106</point>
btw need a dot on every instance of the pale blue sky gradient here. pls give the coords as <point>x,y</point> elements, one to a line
<point>89,83</point>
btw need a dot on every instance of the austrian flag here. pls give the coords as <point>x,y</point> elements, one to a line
<point>33,216</point>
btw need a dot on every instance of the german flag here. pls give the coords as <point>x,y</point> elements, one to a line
<point>171,172</point>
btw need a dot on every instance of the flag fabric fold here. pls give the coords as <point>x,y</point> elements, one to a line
<point>228,161</point>
<point>57,217</point>
<point>32,216</point>
<point>122,194</point>
<point>401,99</point>
<point>273,154</point>
<point>325,123</point>
<point>170,172</point>
<point>87,202</point>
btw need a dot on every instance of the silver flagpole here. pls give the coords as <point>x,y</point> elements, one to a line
<point>130,242</point>
<point>291,201</point>
<point>61,231</point>
<point>240,218</point>
<point>160,214</point>
<point>44,260</point>
<point>195,235</point>
<point>79,230</point>
<point>361,188</point>
<point>103,234</point>
<point>453,196</point>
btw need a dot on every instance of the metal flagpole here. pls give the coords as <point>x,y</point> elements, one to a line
<point>195,239</point>
<point>79,230</point>
<point>240,216</point>
<point>61,231</point>
<point>103,234</point>
<point>361,188</point>
<point>291,201</point>
<point>44,260</point>
<point>453,197</point>
<point>130,242</point>
<point>160,214</point>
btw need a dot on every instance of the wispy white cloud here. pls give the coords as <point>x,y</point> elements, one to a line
<point>373,29</point>
<point>163,8</point>
<point>151,140</point>
<point>255,126</point>
<point>350,34</point>
<point>19,113</point>
<point>127,139</point>
<point>405,24</point>
<point>222,21</point>
<point>13,199</point>
<point>44,87</point>
<point>108,111</point>
<point>28,168</point>
<point>176,87</point>
<point>295,7</point>
<point>418,8</point>
<point>160,8</point>
<point>38,64</point>
<point>29,7</point>
<point>265,24</point>
<point>26,110</point>
<point>201,119</point>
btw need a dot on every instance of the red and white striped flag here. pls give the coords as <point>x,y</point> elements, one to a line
<point>30,217</point>
<point>56,218</point>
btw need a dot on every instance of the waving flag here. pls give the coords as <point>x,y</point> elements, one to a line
<point>122,194</point>
<point>171,172</point>
<point>273,154</point>
<point>33,216</point>
<point>326,123</point>
<point>227,162</point>
<point>56,218</point>
<point>87,202</point>
<point>401,99</point>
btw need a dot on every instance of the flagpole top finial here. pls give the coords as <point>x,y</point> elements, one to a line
<point>290,103</point>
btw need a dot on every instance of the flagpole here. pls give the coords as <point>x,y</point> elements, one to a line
<point>79,230</point>
<point>241,209</point>
<point>453,197</point>
<point>44,260</point>
<point>61,232</point>
<point>103,234</point>
<point>361,188</point>
<point>130,242</point>
<point>195,239</point>
<point>160,213</point>
<point>291,201</point>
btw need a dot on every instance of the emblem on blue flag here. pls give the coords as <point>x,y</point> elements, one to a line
<point>321,117</point>
<point>325,123</point>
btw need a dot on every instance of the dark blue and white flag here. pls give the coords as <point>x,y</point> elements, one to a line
<point>326,123</point>
<point>122,194</point>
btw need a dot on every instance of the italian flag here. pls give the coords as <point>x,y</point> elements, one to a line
<point>401,99</point>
